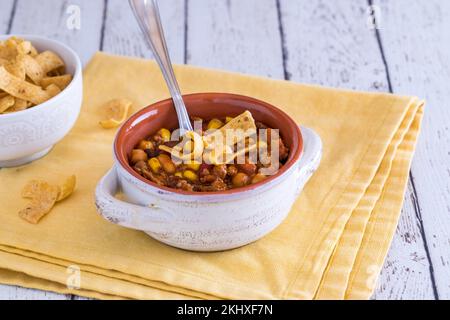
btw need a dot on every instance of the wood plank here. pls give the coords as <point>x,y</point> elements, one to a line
<point>406,273</point>
<point>19,293</point>
<point>49,18</point>
<point>5,15</point>
<point>123,36</point>
<point>329,43</point>
<point>10,292</point>
<point>235,35</point>
<point>416,43</point>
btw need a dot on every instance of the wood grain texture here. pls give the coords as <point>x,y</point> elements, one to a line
<point>49,18</point>
<point>19,293</point>
<point>317,41</point>
<point>6,10</point>
<point>329,43</point>
<point>123,36</point>
<point>406,272</point>
<point>235,35</point>
<point>416,40</point>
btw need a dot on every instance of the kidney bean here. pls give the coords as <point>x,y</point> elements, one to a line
<point>208,178</point>
<point>152,153</point>
<point>171,144</point>
<point>248,168</point>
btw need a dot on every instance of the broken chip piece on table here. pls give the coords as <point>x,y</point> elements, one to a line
<point>44,196</point>
<point>116,111</point>
<point>28,77</point>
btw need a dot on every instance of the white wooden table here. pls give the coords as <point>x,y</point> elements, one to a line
<point>331,43</point>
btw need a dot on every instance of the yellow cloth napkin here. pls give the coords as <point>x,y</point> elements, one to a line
<point>332,245</point>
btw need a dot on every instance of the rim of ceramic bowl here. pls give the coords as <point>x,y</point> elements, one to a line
<point>76,75</point>
<point>294,154</point>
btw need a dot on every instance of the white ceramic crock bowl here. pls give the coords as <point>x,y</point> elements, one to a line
<point>210,221</point>
<point>30,134</point>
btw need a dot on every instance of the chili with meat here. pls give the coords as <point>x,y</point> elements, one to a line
<point>158,166</point>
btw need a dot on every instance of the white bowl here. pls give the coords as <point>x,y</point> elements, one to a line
<point>202,224</point>
<point>205,221</point>
<point>30,134</point>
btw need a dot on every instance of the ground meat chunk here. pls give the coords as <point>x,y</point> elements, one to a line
<point>172,181</point>
<point>232,170</point>
<point>220,171</point>
<point>184,185</point>
<point>219,185</point>
<point>140,165</point>
<point>155,165</point>
<point>158,179</point>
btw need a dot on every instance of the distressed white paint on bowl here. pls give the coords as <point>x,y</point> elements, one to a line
<point>30,134</point>
<point>206,223</point>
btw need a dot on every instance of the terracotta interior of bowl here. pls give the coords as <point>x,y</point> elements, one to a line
<point>206,106</point>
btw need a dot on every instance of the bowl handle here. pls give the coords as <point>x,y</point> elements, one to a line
<point>310,159</point>
<point>124,213</point>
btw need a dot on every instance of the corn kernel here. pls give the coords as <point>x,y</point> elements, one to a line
<point>165,134</point>
<point>154,164</point>
<point>145,144</point>
<point>190,175</point>
<point>188,146</point>
<point>193,165</point>
<point>214,124</point>
<point>178,174</point>
<point>228,119</point>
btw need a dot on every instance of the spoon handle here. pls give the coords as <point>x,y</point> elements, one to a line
<point>147,15</point>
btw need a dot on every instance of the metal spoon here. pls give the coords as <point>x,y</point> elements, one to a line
<point>147,15</point>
